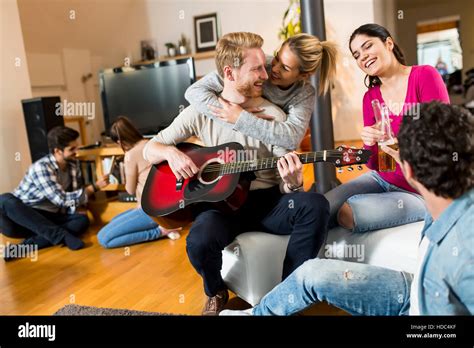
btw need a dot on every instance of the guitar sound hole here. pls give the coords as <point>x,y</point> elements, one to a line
<point>210,172</point>
<point>209,177</point>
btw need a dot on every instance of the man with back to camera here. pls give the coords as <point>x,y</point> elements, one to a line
<point>437,159</point>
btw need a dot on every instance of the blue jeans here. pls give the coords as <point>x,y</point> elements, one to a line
<point>302,215</point>
<point>375,203</point>
<point>356,288</point>
<point>130,227</point>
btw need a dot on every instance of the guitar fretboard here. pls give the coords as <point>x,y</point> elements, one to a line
<point>271,162</point>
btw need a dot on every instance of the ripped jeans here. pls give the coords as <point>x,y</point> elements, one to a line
<point>375,203</point>
<point>356,288</point>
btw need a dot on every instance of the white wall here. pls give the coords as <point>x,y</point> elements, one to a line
<point>170,18</point>
<point>342,18</point>
<point>385,13</point>
<point>113,29</point>
<point>105,27</point>
<point>14,86</point>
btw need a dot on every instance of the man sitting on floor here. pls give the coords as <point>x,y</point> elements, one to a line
<point>42,209</point>
<point>273,205</point>
<point>436,157</point>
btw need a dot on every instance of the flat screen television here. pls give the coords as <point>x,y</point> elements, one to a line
<point>150,95</point>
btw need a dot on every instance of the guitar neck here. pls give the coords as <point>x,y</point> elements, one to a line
<point>271,162</point>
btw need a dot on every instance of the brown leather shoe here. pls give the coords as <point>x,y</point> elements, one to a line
<point>216,303</point>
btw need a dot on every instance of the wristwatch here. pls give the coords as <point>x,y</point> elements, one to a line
<point>294,189</point>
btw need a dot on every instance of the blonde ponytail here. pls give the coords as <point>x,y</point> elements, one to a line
<point>327,71</point>
<point>313,54</point>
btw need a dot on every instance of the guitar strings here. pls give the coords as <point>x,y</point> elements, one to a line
<point>233,165</point>
<point>264,160</point>
<point>260,161</point>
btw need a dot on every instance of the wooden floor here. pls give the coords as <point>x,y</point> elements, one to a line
<point>154,276</point>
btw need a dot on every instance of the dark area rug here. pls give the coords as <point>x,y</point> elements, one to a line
<point>72,309</point>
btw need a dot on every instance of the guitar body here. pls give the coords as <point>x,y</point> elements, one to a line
<point>168,201</point>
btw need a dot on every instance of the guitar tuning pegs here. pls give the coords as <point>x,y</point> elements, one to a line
<point>350,169</point>
<point>359,167</point>
<point>339,170</point>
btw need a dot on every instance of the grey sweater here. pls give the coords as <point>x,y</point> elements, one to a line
<point>297,102</point>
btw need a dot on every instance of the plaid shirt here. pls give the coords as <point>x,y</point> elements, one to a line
<point>41,183</point>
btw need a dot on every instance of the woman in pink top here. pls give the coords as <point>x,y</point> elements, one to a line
<point>377,200</point>
<point>132,226</point>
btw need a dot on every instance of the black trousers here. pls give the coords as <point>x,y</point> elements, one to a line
<point>303,215</point>
<point>18,220</point>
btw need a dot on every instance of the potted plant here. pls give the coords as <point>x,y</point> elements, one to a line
<point>183,45</point>
<point>171,49</point>
<point>291,24</point>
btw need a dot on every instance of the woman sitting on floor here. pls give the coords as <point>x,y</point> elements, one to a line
<point>132,226</point>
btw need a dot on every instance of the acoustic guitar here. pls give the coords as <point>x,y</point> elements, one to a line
<point>220,179</point>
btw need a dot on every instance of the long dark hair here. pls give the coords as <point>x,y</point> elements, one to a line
<point>375,30</point>
<point>124,131</point>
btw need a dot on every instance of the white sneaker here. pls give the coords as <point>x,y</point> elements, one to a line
<point>227,312</point>
<point>173,235</point>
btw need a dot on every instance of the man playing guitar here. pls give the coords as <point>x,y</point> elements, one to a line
<point>275,203</point>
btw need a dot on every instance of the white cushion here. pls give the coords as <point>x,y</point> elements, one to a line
<point>253,262</point>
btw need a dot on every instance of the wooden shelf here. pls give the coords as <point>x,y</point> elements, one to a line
<point>114,187</point>
<point>196,56</point>
<point>101,151</point>
<point>104,209</point>
<point>97,154</point>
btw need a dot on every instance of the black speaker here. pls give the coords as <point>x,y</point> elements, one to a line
<point>40,117</point>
